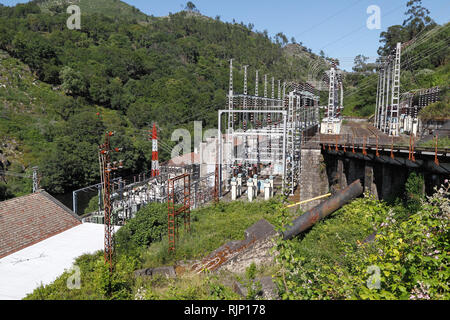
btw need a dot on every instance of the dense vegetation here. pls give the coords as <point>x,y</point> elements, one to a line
<point>366,250</point>
<point>131,69</point>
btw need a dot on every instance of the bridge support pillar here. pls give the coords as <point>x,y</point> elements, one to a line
<point>369,181</point>
<point>387,182</point>
<point>342,179</point>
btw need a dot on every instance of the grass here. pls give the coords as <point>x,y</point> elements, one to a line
<point>185,287</point>
<point>211,227</point>
<point>328,240</point>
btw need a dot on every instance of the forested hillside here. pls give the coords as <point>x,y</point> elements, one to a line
<point>108,8</point>
<point>61,89</point>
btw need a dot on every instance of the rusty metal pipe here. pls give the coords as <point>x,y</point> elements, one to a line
<point>324,209</point>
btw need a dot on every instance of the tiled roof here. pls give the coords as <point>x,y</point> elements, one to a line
<point>186,159</point>
<point>30,219</point>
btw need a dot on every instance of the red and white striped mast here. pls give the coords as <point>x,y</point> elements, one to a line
<point>155,162</point>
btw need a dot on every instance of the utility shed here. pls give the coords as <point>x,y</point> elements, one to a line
<point>30,219</point>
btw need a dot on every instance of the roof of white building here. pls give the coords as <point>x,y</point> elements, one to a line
<point>30,219</point>
<point>41,263</point>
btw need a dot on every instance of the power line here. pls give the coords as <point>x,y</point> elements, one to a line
<point>368,84</point>
<point>329,18</point>
<point>404,64</point>
<point>356,30</point>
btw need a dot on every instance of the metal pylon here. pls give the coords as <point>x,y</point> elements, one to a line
<point>395,99</point>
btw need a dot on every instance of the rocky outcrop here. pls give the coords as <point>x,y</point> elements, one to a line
<point>237,256</point>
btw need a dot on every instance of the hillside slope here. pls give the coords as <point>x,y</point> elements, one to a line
<point>109,8</point>
<point>172,70</point>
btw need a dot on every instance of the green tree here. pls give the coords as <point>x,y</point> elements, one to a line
<point>190,6</point>
<point>391,37</point>
<point>361,65</point>
<point>418,18</point>
<point>73,82</point>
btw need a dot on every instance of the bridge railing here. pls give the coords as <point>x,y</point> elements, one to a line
<point>371,142</point>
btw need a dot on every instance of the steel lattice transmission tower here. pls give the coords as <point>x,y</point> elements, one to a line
<point>395,99</point>
<point>387,112</point>
<point>332,122</point>
<point>106,168</point>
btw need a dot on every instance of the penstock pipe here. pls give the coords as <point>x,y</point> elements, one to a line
<point>324,209</point>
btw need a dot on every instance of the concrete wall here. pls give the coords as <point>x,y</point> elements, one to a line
<point>313,177</point>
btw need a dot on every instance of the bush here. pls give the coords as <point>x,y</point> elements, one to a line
<point>407,259</point>
<point>96,283</point>
<point>414,192</point>
<point>412,256</point>
<point>149,225</point>
<point>314,265</point>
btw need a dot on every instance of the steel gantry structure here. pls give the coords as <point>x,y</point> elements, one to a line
<point>412,103</point>
<point>387,110</point>
<point>397,112</point>
<point>266,132</point>
<point>36,178</point>
<point>332,122</point>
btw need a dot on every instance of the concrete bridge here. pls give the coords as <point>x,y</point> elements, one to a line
<point>381,162</point>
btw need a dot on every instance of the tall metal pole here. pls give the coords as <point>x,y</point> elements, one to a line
<point>386,107</point>
<point>230,100</point>
<point>106,167</point>
<point>395,101</point>
<point>377,103</point>
<point>219,137</point>
<point>35,179</point>
<point>382,97</point>
<point>155,161</point>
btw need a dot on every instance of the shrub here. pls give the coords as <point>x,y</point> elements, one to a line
<point>406,260</point>
<point>414,192</point>
<point>314,265</point>
<point>149,225</point>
